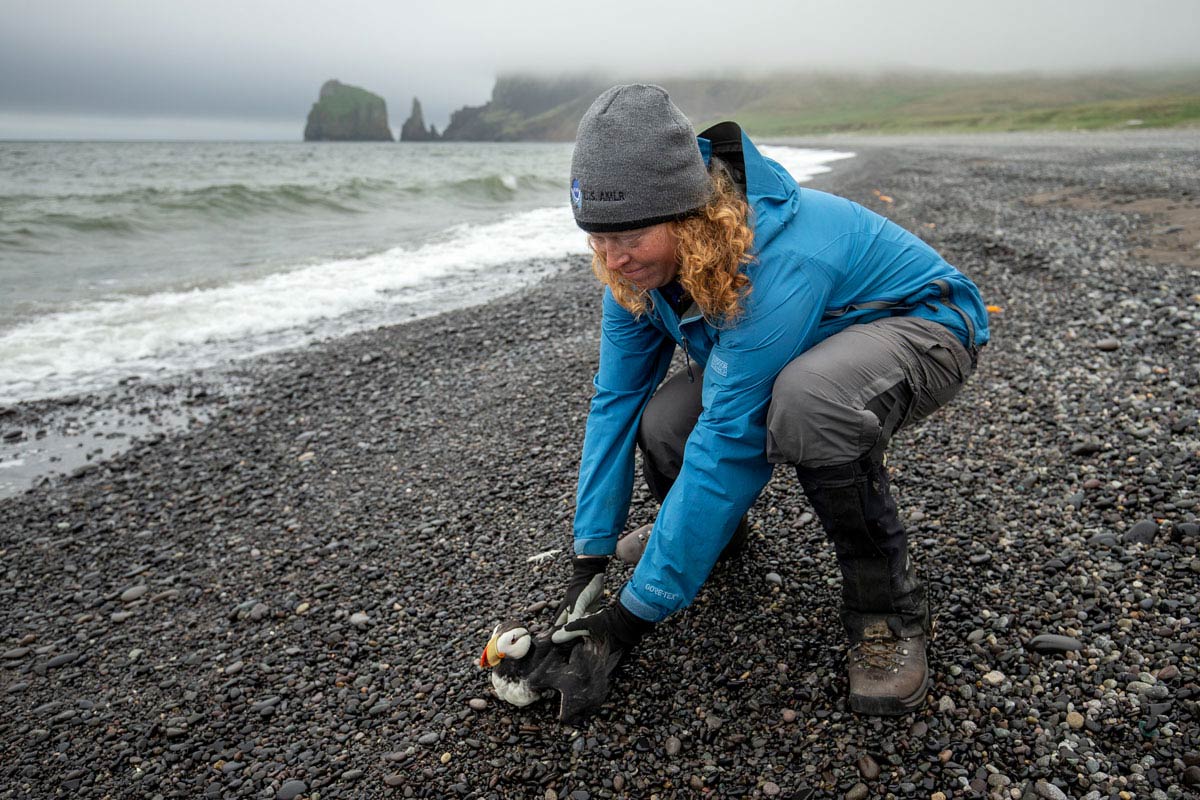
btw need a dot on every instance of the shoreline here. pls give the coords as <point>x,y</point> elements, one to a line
<point>49,439</point>
<point>183,619</point>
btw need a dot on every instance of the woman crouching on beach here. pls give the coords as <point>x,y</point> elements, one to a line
<point>812,330</point>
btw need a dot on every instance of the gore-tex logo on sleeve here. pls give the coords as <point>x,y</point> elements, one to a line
<point>718,366</point>
<point>654,590</point>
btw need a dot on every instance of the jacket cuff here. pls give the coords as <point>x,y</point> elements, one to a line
<point>596,547</point>
<point>641,608</point>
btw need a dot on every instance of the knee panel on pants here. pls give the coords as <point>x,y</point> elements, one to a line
<point>810,423</point>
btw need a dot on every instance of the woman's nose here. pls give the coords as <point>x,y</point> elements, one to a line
<point>614,255</point>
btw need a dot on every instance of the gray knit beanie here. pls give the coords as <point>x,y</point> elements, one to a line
<point>636,162</point>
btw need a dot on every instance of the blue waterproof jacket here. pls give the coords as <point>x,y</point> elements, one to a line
<point>821,263</point>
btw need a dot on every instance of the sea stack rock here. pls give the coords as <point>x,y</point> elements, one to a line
<point>347,114</point>
<point>414,127</point>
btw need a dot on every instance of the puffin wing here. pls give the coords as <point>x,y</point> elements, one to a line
<point>546,662</point>
<point>584,680</point>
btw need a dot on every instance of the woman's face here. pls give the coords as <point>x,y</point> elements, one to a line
<point>645,257</point>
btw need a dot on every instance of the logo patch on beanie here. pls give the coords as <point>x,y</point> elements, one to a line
<point>576,194</point>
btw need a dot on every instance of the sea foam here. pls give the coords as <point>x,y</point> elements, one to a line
<point>102,341</point>
<point>803,163</point>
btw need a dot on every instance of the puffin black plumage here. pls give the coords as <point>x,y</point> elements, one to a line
<point>527,668</point>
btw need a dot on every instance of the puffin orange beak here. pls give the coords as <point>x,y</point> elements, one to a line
<point>491,654</point>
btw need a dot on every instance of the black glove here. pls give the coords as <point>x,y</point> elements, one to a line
<point>615,624</point>
<point>584,588</point>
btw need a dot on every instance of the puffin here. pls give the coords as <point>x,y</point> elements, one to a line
<point>527,668</point>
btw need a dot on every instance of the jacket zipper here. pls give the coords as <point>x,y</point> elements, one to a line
<point>687,360</point>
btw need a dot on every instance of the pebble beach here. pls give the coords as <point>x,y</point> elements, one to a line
<point>286,594</point>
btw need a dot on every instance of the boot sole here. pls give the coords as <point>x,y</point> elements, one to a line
<point>890,706</point>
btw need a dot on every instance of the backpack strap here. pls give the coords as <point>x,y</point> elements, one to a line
<point>726,141</point>
<point>901,307</point>
<point>945,298</point>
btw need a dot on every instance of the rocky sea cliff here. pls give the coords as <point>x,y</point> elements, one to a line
<point>346,113</point>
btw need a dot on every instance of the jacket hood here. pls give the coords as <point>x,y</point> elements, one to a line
<point>771,191</point>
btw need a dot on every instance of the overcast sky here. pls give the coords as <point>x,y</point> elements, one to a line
<point>252,68</point>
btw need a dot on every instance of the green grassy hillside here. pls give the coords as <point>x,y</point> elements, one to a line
<point>800,104</point>
<point>1004,103</point>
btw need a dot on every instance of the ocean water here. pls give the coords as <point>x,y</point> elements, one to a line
<point>122,259</point>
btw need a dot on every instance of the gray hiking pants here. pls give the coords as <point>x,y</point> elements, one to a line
<point>836,403</point>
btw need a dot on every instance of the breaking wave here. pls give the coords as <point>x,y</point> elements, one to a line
<point>24,217</point>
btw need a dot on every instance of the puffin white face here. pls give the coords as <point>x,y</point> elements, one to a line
<point>514,643</point>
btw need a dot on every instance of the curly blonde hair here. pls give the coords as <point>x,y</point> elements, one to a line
<point>711,247</point>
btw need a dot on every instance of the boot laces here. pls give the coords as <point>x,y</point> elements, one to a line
<point>879,650</point>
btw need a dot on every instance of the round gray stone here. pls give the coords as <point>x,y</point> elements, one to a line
<point>857,792</point>
<point>1142,531</point>
<point>291,790</point>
